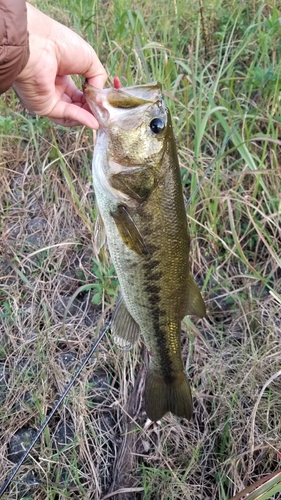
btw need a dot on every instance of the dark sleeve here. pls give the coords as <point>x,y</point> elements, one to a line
<point>14,46</point>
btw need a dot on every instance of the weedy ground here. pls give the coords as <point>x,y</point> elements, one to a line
<point>219,63</point>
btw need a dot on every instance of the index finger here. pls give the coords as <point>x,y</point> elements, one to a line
<point>78,57</point>
<point>97,81</point>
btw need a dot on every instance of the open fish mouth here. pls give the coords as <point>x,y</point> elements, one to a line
<point>113,104</point>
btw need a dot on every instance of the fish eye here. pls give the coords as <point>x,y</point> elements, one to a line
<point>157,125</point>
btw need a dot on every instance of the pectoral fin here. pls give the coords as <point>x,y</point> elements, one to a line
<point>124,329</point>
<point>129,231</point>
<point>195,304</point>
<point>99,234</point>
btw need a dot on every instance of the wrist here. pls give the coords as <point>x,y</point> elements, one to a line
<point>37,22</point>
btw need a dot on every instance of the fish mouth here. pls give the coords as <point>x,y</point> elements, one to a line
<point>106,104</point>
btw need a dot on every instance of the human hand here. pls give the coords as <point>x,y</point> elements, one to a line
<point>45,86</point>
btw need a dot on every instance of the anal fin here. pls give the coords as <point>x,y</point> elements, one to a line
<point>124,328</point>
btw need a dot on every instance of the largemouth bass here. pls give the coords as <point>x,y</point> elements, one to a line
<point>138,190</point>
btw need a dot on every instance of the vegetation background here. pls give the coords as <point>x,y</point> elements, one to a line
<point>219,63</point>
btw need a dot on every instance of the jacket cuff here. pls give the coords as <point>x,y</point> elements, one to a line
<point>14,44</point>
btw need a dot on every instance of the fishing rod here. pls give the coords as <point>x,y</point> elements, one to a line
<point>60,400</point>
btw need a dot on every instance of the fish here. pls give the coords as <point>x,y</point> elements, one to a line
<point>138,190</point>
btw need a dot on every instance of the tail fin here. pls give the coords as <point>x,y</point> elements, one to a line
<point>162,396</point>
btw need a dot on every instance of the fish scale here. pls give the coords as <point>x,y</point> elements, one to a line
<point>139,195</point>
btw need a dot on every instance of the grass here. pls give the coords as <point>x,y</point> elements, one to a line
<point>219,64</point>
